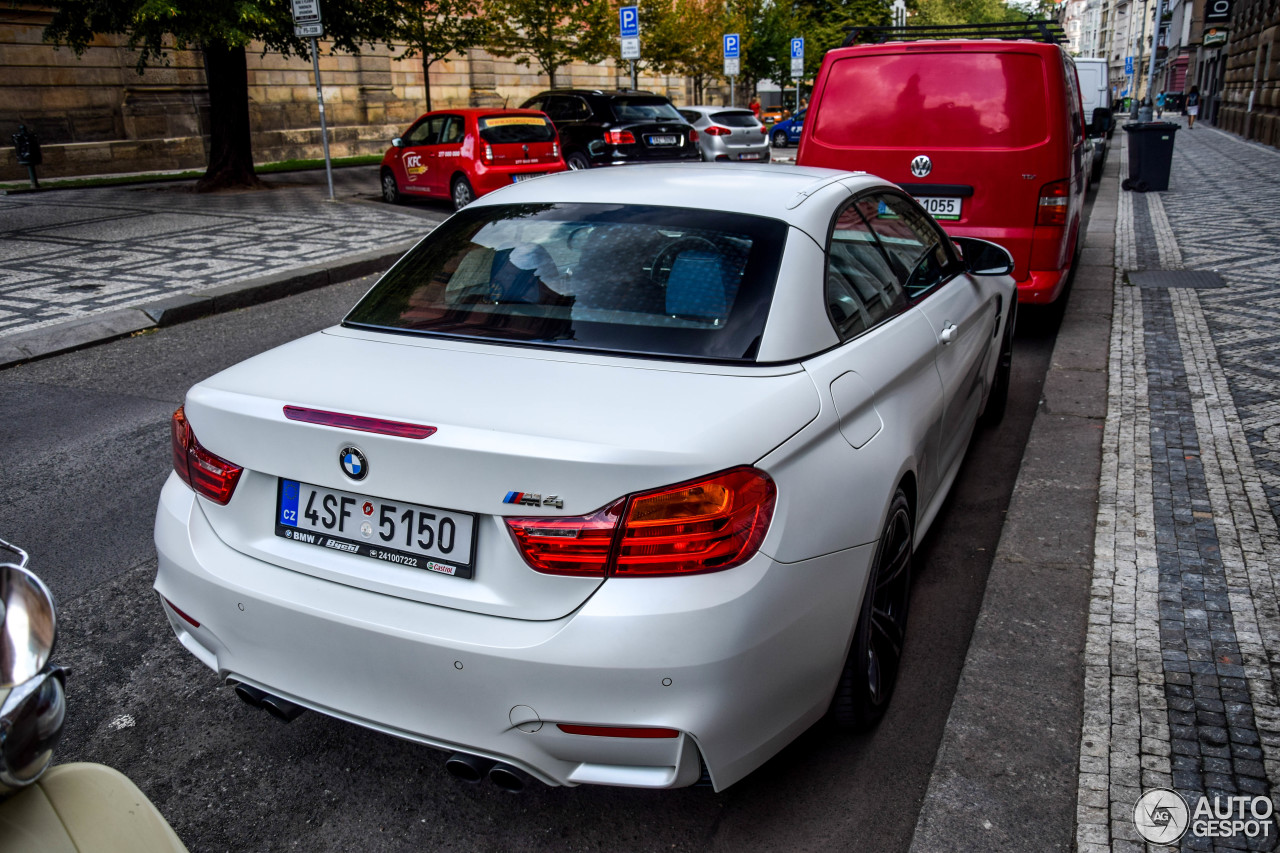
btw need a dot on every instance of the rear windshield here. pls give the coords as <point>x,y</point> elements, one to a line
<point>644,109</point>
<point>954,100</point>
<point>502,130</point>
<point>735,118</point>
<point>671,282</point>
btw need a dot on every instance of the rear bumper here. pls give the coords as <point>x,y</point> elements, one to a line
<point>737,662</point>
<point>1043,287</point>
<point>488,179</point>
<point>1038,247</point>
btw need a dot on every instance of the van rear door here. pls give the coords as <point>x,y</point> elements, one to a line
<point>972,124</point>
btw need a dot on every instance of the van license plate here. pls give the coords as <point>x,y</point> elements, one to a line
<point>417,537</point>
<point>941,207</point>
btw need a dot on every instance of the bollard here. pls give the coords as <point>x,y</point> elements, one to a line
<point>27,146</point>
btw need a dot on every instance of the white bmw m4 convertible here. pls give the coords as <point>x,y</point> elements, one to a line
<point>615,478</point>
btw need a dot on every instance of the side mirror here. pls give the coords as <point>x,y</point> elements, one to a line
<point>982,257</point>
<point>28,624</point>
<point>398,142</point>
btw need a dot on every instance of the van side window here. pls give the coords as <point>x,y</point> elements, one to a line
<point>916,248</point>
<point>1073,96</point>
<point>863,288</point>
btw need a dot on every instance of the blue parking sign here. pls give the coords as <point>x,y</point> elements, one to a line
<point>629,22</point>
<point>731,46</point>
<point>1128,65</point>
<point>797,48</point>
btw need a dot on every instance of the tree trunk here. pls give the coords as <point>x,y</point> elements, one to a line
<point>426,77</point>
<point>230,149</point>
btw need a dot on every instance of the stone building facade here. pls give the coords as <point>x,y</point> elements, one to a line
<point>96,115</point>
<point>1250,97</point>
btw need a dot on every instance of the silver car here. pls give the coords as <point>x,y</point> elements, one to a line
<point>728,134</point>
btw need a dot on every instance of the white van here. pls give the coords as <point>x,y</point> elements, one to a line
<point>1095,96</point>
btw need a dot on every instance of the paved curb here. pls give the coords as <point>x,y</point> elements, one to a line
<point>1005,775</point>
<point>180,308</point>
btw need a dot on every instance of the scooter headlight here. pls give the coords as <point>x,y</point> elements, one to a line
<point>31,720</point>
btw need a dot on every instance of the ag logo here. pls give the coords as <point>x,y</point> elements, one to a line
<point>1161,816</point>
<point>921,166</point>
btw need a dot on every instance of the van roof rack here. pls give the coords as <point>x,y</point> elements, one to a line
<point>1045,31</point>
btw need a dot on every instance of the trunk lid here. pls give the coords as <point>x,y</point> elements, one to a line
<point>509,419</point>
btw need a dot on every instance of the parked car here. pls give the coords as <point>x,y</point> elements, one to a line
<point>788,132</point>
<point>599,128</point>
<point>987,133</point>
<point>1095,101</point>
<point>463,154</point>
<point>588,487</point>
<point>728,134</point>
<point>773,115</point>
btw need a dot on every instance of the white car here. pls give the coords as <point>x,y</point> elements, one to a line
<point>615,478</point>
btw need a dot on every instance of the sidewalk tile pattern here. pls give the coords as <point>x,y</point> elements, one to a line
<point>1184,628</point>
<point>74,253</point>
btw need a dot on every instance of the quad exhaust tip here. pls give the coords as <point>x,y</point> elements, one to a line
<point>473,768</point>
<point>282,709</point>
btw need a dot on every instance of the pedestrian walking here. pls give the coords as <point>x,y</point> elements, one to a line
<point>1193,106</point>
<point>1159,104</point>
<point>755,106</point>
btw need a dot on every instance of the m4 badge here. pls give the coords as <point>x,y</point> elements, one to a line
<point>533,499</point>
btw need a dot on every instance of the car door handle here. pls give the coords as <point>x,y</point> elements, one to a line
<point>948,334</point>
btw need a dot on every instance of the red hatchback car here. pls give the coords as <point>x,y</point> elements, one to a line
<point>464,154</point>
<point>987,134</point>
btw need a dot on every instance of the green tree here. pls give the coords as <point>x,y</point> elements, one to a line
<point>943,12</point>
<point>686,40</point>
<point>434,29</point>
<point>551,33</point>
<point>221,29</point>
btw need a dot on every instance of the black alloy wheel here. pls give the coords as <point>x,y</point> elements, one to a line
<point>577,161</point>
<point>779,139</point>
<point>462,193</point>
<point>390,188</point>
<point>875,655</point>
<point>998,397</point>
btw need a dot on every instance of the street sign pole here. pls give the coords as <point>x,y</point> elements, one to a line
<point>797,66</point>
<point>306,24</point>
<point>324,129</point>
<point>629,36</point>
<point>731,64</point>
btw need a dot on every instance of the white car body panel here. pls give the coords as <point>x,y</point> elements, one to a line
<point>736,661</point>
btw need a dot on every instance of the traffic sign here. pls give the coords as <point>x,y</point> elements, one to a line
<point>629,23</point>
<point>797,57</point>
<point>1128,65</point>
<point>731,66</point>
<point>308,30</point>
<point>731,43</point>
<point>630,48</point>
<point>306,19</point>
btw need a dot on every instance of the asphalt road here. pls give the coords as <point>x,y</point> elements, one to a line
<point>86,449</point>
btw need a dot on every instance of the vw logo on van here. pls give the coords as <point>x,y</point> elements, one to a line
<point>921,166</point>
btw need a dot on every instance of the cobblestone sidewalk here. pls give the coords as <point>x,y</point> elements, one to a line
<point>70,254</point>
<point>1183,647</point>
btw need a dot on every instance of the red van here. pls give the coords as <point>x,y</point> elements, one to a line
<point>463,154</point>
<point>987,134</point>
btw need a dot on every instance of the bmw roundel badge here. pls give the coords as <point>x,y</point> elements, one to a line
<point>353,462</point>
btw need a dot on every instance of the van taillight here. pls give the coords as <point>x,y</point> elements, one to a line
<point>702,526</point>
<point>619,137</point>
<point>209,475</point>
<point>1054,201</point>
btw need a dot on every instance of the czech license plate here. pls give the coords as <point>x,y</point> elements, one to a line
<point>664,140</point>
<point>752,156</point>
<point>941,207</point>
<point>419,537</point>
<point>515,179</point>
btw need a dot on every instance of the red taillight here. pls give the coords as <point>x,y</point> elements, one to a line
<point>555,149</point>
<point>209,475</point>
<point>1054,202</point>
<point>358,422</point>
<point>764,131</point>
<point>693,135</point>
<point>716,131</point>
<point>703,526</point>
<point>617,731</point>
<point>486,154</point>
<point>619,137</point>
